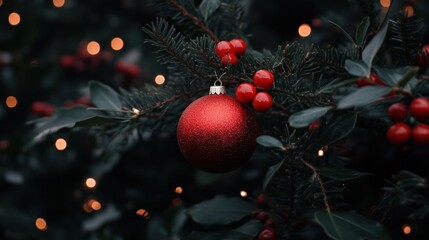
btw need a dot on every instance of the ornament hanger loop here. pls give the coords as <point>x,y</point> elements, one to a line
<point>218,81</point>
<point>217,87</point>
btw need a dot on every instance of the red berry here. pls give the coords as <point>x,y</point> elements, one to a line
<point>419,108</point>
<point>229,59</point>
<point>68,61</point>
<point>397,112</point>
<point>313,126</point>
<point>423,57</point>
<point>421,133</point>
<point>262,216</point>
<point>372,80</point>
<point>263,79</point>
<point>262,102</point>
<point>398,133</point>
<point>239,46</point>
<point>245,92</point>
<point>269,222</point>
<point>268,233</point>
<point>224,47</point>
<point>262,200</point>
<point>42,109</point>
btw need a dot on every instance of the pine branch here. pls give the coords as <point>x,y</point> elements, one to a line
<point>407,36</point>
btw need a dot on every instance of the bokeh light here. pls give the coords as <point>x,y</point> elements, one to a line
<point>406,229</point>
<point>385,3</point>
<point>320,153</point>
<point>159,79</point>
<point>11,102</point>
<point>90,182</point>
<point>304,30</point>
<point>14,19</point>
<point>243,193</point>
<point>178,190</point>
<point>60,144</point>
<point>142,212</point>
<point>94,204</point>
<point>58,3</point>
<point>409,10</point>
<point>93,48</point>
<point>41,224</point>
<point>1,2</point>
<point>117,43</point>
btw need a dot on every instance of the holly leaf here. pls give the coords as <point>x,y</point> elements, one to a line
<point>271,173</point>
<point>361,31</point>
<point>337,129</point>
<point>306,117</point>
<point>349,225</point>
<point>340,173</point>
<point>220,211</point>
<point>208,7</point>
<point>104,96</point>
<point>357,68</point>
<point>373,46</point>
<point>269,141</point>
<point>363,96</point>
<point>174,219</point>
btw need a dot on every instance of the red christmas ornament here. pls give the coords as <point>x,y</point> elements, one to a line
<point>268,233</point>
<point>419,108</point>
<point>399,133</point>
<point>245,92</point>
<point>224,47</point>
<point>263,79</point>
<point>397,112</point>
<point>216,133</point>
<point>229,59</point>
<point>239,46</point>
<point>421,133</point>
<point>262,102</point>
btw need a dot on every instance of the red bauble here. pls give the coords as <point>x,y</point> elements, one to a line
<point>399,133</point>
<point>262,102</point>
<point>397,112</point>
<point>268,233</point>
<point>239,46</point>
<point>217,134</point>
<point>245,92</point>
<point>419,108</point>
<point>229,59</point>
<point>421,133</point>
<point>263,79</point>
<point>224,47</point>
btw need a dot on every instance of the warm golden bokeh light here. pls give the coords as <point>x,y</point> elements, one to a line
<point>320,153</point>
<point>409,10</point>
<point>90,182</point>
<point>178,190</point>
<point>304,30</point>
<point>142,212</point>
<point>243,193</point>
<point>58,3</point>
<point>41,224</point>
<point>1,2</point>
<point>14,19</point>
<point>159,79</point>
<point>60,144</point>
<point>117,43</point>
<point>95,205</point>
<point>406,229</point>
<point>93,48</point>
<point>11,102</point>
<point>385,3</point>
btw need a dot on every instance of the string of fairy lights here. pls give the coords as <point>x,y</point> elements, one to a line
<point>117,43</point>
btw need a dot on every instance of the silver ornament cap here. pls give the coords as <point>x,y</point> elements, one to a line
<point>217,89</point>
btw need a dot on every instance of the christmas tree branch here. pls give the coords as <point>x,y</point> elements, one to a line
<point>194,20</point>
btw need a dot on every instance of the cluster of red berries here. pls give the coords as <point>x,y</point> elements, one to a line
<point>45,109</point>
<point>229,50</point>
<point>372,80</point>
<point>246,92</point>
<point>269,231</point>
<point>400,132</point>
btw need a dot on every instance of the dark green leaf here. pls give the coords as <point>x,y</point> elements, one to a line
<point>208,7</point>
<point>363,96</point>
<point>247,231</point>
<point>346,34</point>
<point>271,173</point>
<point>98,121</point>
<point>340,173</point>
<point>361,31</point>
<point>104,96</point>
<point>349,226</point>
<point>174,219</point>
<point>372,48</point>
<point>337,129</point>
<point>269,141</point>
<point>305,117</point>
<point>220,211</point>
<point>357,68</point>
